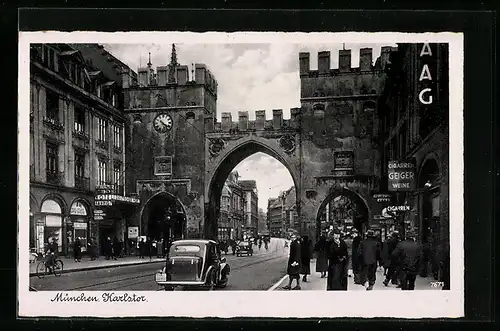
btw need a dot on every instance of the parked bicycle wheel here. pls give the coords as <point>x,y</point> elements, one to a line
<point>40,269</point>
<point>58,268</point>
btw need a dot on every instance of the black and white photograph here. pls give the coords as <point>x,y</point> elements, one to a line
<point>242,174</point>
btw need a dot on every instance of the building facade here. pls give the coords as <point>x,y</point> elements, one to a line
<point>415,127</point>
<point>275,216</point>
<point>232,204</point>
<point>251,218</point>
<point>76,146</point>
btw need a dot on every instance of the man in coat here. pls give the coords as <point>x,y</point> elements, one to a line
<point>392,273</point>
<point>370,254</point>
<point>294,263</point>
<point>355,257</point>
<point>305,258</point>
<point>408,255</point>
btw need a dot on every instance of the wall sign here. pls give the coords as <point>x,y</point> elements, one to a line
<point>163,166</point>
<point>344,160</point>
<point>78,209</point>
<point>133,232</point>
<point>401,176</point>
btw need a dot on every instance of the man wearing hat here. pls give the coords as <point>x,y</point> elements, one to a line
<point>355,260</point>
<point>408,255</point>
<point>370,253</point>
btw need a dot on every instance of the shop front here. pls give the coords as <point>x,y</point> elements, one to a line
<point>49,225</point>
<point>79,226</point>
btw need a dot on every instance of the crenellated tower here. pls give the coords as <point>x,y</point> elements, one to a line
<point>166,110</point>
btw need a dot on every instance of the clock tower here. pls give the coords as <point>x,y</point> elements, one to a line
<point>165,145</point>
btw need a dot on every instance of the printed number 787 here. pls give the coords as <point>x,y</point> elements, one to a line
<point>437,284</point>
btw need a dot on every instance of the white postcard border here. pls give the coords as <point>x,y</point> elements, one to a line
<point>300,304</point>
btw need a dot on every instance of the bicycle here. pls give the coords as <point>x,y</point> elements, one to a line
<point>43,268</point>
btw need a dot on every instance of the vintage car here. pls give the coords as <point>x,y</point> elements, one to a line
<point>244,248</point>
<point>193,264</point>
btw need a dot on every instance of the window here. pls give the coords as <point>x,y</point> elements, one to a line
<point>117,135</point>
<point>101,173</point>
<point>52,106</point>
<point>52,158</point>
<point>102,126</point>
<point>114,100</point>
<point>117,174</point>
<point>49,56</point>
<point>79,165</point>
<point>79,119</point>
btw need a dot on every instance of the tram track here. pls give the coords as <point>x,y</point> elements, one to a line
<point>139,280</point>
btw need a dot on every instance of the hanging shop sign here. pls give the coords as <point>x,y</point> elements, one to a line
<point>401,176</point>
<point>398,208</point>
<point>382,197</point>
<point>98,217</point>
<point>427,70</point>
<point>103,203</point>
<point>133,232</point>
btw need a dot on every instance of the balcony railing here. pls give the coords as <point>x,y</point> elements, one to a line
<point>53,123</point>
<point>55,178</point>
<point>82,183</point>
<point>81,135</point>
<point>102,144</point>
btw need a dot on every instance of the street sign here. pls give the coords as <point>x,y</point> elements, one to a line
<point>401,176</point>
<point>103,203</point>
<point>398,208</point>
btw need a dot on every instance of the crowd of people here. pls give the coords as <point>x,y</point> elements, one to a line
<point>400,258</point>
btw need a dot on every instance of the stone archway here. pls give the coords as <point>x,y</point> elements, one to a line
<point>163,217</point>
<point>361,208</point>
<point>226,164</point>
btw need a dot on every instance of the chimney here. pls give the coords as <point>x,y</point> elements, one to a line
<point>304,63</point>
<point>260,119</point>
<point>243,120</point>
<point>344,59</point>
<point>324,62</point>
<point>385,55</point>
<point>365,59</point>
<point>200,70</point>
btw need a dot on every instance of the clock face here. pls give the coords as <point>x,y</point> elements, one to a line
<point>162,123</point>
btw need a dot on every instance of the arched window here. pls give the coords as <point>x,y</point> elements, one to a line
<point>51,226</point>
<point>79,222</point>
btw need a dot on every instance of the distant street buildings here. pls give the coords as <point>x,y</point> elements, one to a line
<point>282,213</point>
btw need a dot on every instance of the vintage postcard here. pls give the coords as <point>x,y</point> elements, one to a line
<point>241,174</point>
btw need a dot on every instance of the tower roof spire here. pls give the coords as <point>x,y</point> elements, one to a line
<point>173,58</point>
<point>172,72</point>
<point>149,61</point>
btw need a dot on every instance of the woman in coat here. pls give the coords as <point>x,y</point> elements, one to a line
<point>321,249</point>
<point>294,264</point>
<point>338,258</point>
<point>305,257</point>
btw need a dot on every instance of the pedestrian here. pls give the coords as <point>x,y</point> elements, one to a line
<point>294,264</point>
<point>77,250</point>
<point>408,253</point>
<point>355,261</point>
<point>108,248</point>
<point>305,257</point>
<point>370,254</point>
<point>149,247</point>
<point>116,248</point>
<point>338,259</point>
<point>321,250</point>
<point>142,248</point>
<point>390,263</point>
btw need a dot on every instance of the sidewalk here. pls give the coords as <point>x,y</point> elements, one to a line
<point>86,264</point>
<point>316,283</point>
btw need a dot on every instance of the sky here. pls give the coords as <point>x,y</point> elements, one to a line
<point>250,77</point>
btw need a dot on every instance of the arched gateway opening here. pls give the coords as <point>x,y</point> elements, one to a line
<point>163,217</point>
<point>342,209</point>
<point>222,172</point>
